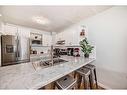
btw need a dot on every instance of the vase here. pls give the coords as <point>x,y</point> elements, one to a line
<point>86,55</point>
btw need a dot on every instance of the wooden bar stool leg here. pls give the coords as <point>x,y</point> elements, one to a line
<point>92,78</point>
<point>95,78</point>
<point>74,74</point>
<point>86,85</point>
<point>53,85</point>
<point>90,81</point>
<point>79,80</point>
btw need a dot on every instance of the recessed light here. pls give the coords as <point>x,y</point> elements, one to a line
<point>0,14</point>
<point>41,20</point>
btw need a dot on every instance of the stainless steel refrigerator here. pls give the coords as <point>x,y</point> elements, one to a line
<point>14,49</point>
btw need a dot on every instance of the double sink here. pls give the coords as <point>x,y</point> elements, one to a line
<point>48,63</point>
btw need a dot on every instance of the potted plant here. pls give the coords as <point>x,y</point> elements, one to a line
<point>86,47</point>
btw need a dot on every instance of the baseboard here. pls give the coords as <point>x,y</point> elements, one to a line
<point>104,86</point>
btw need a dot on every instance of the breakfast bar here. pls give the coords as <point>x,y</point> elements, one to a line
<point>24,76</point>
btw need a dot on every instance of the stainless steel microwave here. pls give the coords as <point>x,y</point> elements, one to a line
<point>36,39</point>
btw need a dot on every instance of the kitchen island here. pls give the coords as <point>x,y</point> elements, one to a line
<point>24,76</point>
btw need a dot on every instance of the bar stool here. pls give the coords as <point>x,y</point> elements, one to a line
<point>66,82</point>
<point>84,74</point>
<point>93,73</point>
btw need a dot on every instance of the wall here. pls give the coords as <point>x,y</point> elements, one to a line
<point>108,31</point>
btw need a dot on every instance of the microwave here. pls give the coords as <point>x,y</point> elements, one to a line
<point>36,39</point>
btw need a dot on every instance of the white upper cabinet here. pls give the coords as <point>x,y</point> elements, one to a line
<point>10,29</point>
<point>60,36</point>
<point>71,36</point>
<point>0,26</point>
<point>25,32</point>
<point>76,36</point>
<point>16,30</point>
<point>47,40</point>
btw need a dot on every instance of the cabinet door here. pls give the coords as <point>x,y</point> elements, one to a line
<point>72,37</point>
<point>47,40</point>
<point>53,39</point>
<point>76,36</point>
<point>57,38</point>
<point>25,32</point>
<point>60,36</point>
<point>10,30</point>
<point>68,37</point>
<point>24,42</point>
<point>0,26</point>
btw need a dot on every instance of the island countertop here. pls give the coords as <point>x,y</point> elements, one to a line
<point>24,76</point>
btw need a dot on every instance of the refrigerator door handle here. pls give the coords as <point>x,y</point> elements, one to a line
<point>18,51</point>
<point>15,51</point>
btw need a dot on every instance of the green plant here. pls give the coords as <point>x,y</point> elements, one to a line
<point>86,47</point>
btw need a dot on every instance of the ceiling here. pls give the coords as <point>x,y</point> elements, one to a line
<point>60,17</point>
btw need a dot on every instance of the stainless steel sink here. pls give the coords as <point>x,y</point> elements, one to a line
<point>55,62</point>
<point>48,63</point>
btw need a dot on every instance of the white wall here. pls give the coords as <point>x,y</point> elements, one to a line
<point>108,31</point>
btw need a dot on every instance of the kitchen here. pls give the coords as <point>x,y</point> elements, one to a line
<point>38,54</point>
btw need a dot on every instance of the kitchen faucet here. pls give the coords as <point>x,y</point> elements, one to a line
<point>52,55</point>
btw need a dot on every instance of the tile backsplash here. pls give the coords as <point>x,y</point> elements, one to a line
<point>41,49</point>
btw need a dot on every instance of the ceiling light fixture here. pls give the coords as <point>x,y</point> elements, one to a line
<point>0,14</point>
<point>41,20</point>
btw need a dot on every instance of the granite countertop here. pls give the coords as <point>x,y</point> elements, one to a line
<point>24,76</point>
